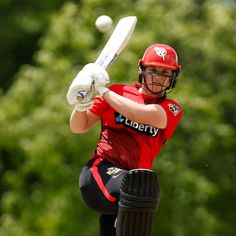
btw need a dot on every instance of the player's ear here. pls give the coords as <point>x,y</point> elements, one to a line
<point>174,79</point>
<point>140,72</point>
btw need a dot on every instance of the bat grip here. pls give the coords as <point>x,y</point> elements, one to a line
<point>80,96</point>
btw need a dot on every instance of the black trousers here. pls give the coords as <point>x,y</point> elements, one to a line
<point>100,183</point>
<point>107,225</point>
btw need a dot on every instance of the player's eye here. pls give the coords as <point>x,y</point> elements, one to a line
<point>156,74</point>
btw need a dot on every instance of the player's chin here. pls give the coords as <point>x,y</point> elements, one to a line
<point>156,89</point>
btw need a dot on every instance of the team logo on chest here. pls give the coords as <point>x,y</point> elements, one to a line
<point>141,128</point>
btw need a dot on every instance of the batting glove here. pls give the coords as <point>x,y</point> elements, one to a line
<point>101,91</point>
<point>82,83</point>
<point>82,107</point>
<point>98,74</point>
<point>86,102</point>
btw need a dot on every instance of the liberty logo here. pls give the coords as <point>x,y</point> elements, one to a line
<point>142,128</point>
<point>161,52</point>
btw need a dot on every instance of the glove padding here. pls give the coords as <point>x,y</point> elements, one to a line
<point>87,101</point>
<point>101,91</point>
<point>81,83</point>
<point>90,77</point>
<point>99,75</point>
<point>83,106</point>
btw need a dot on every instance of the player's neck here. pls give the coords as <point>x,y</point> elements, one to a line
<point>149,94</point>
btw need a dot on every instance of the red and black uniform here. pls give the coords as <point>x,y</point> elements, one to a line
<point>123,145</point>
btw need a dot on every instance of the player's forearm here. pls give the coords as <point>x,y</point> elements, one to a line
<point>125,106</point>
<point>78,121</point>
<point>152,114</point>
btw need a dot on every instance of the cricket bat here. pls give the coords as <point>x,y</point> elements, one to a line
<point>116,43</point>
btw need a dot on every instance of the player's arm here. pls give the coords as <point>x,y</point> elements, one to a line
<point>151,114</point>
<point>81,122</point>
<point>87,79</point>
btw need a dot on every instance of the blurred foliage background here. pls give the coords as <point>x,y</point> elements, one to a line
<point>45,43</point>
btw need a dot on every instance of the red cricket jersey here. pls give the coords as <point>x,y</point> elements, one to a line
<point>126,143</point>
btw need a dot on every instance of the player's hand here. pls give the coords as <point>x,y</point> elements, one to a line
<point>86,102</point>
<point>82,83</point>
<point>91,76</point>
<point>99,75</point>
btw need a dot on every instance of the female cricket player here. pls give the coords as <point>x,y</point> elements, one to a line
<point>136,121</point>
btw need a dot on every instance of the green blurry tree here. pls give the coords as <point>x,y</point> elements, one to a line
<point>23,22</point>
<point>41,160</point>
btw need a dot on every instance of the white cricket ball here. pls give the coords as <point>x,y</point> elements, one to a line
<point>103,23</point>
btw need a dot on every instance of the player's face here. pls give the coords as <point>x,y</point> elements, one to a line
<point>157,78</point>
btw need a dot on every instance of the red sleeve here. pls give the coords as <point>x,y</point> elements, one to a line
<point>100,106</point>
<point>174,115</point>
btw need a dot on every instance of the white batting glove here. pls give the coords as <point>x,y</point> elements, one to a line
<point>98,74</point>
<point>101,91</point>
<point>83,107</point>
<point>86,102</point>
<point>82,83</point>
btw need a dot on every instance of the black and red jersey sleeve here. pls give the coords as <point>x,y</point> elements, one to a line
<point>100,106</point>
<point>174,114</point>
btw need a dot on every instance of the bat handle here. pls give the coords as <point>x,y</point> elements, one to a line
<point>80,96</point>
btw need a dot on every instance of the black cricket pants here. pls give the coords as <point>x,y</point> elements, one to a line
<point>100,183</point>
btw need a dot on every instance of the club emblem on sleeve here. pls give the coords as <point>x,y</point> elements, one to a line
<point>174,109</point>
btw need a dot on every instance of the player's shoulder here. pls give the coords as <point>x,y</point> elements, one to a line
<point>171,101</point>
<point>122,87</point>
<point>114,87</point>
